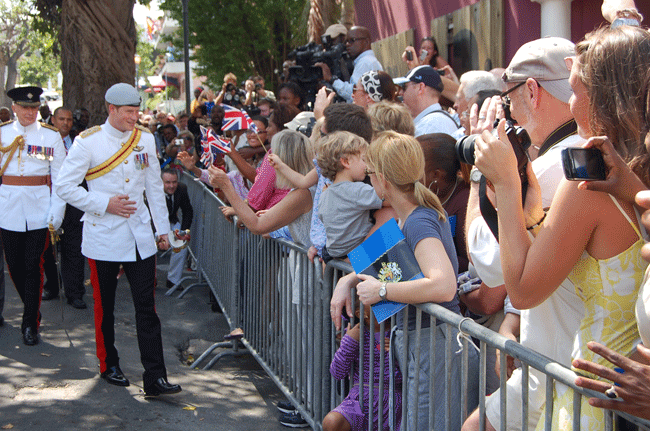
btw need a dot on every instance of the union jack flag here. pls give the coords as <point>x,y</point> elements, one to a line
<point>212,145</point>
<point>236,119</point>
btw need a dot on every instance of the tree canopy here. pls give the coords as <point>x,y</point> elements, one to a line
<point>241,36</point>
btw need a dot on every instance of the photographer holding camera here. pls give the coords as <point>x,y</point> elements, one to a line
<point>230,94</point>
<point>357,43</point>
<point>255,91</point>
<point>537,99</point>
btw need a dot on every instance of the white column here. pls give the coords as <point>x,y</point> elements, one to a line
<point>556,18</point>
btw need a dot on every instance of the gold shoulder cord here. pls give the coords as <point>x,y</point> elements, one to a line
<point>19,142</point>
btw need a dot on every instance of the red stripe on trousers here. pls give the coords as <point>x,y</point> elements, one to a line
<point>41,267</point>
<point>99,316</point>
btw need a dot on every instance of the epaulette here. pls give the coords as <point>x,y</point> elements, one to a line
<point>6,122</point>
<point>90,131</point>
<point>144,129</point>
<point>49,126</point>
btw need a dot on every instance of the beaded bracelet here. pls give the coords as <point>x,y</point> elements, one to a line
<point>538,223</point>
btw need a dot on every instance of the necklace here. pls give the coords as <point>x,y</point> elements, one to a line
<point>450,193</point>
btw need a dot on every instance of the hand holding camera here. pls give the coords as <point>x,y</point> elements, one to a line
<point>617,178</point>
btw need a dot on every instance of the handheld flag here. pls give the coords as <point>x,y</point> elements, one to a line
<point>236,119</point>
<point>212,145</point>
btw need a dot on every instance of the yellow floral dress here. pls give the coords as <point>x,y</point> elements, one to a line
<point>609,289</point>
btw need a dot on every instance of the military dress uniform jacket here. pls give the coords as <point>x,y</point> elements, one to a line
<point>24,208</point>
<point>109,237</point>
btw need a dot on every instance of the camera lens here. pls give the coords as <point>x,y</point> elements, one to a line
<point>465,149</point>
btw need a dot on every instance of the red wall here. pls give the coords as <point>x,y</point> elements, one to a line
<point>522,18</point>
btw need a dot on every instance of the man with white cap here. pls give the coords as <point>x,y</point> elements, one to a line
<point>421,91</point>
<point>31,155</point>
<point>118,161</point>
<point>537,98</point>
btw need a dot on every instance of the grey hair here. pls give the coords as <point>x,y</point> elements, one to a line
<point>478,80</point>
<point>295,150</point>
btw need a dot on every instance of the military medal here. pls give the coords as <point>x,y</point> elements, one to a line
<point>41,153</point>
<point>141,161</point>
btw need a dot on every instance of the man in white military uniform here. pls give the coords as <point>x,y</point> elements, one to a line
<point>119,163</point>
<point>31,154</point>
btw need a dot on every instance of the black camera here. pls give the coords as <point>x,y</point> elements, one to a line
<point>309,76</point>
<point>519,139</point>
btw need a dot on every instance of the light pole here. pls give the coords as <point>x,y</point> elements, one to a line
<point>186,57</point>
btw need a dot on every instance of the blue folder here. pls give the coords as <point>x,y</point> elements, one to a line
<point>386,256</point>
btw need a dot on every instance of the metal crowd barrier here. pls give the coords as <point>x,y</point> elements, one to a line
<point>280,299</point>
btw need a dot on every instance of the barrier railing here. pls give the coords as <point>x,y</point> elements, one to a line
<point>280,299</point>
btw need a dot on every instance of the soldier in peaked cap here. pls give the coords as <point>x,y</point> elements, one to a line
<point>118,161</point>
<point>31,154</point>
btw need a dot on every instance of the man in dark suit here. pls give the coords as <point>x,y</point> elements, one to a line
<point>177,197</point>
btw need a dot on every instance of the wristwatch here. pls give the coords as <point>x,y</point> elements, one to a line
<point>475,175</point>
<point>382,291</point>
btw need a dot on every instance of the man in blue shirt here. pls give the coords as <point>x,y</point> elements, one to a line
<point>357,43</point>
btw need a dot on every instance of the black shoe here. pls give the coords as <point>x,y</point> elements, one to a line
<point>170,284</point>
<point>2,321</point>
<point>115,376</point>
<point>286,407</point>
<point>161,387</point>
<point>77,303</point>
<point>293,420</point>
<point>47,295</point>
<point>30,336</point>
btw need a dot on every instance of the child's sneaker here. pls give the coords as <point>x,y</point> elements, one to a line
<point>286,407</point>
<point>293,420</point>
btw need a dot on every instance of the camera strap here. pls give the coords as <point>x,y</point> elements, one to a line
<point>561,133</point>
<point>487,209</point>
<point>442,111</point>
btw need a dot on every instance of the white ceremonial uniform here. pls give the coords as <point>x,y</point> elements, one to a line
<point>109,237</point>
<point>24,208</point>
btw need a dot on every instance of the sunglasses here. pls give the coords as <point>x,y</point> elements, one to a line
<point>351,40</point>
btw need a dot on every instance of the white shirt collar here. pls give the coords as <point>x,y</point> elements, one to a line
<point>112,131</point>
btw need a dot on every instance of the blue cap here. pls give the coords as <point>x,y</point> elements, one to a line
<point>123,95</point>
<point>426,74</point>
<point>26,96</point>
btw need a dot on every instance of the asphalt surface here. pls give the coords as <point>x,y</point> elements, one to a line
<point>55,385</point>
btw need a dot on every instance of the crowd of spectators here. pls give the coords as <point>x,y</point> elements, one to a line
<point>552,274</point>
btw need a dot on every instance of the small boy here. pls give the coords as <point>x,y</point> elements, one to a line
<point>345,205</point>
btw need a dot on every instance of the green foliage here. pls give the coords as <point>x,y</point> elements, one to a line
<point>39,63</point>
<point>240,36</point>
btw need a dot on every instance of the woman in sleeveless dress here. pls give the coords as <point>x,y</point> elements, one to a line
<point>589,237</point>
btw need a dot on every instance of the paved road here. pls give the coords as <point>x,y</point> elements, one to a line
<point>56,386</point>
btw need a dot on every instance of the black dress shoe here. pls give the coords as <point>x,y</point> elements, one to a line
<point>161,387</point>
<point>30,336</point>
<point>115,376</point>
<point>77,303</point>
<point>47,295</point>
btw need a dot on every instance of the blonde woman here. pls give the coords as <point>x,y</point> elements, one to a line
<point>395,164</point>
<point>294,208</point>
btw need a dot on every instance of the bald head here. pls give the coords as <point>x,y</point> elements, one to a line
<point>357,41</point>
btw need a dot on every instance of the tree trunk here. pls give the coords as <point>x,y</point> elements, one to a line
<point>347,13</point>
<point>4,99</point>
<point>97,47</point>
